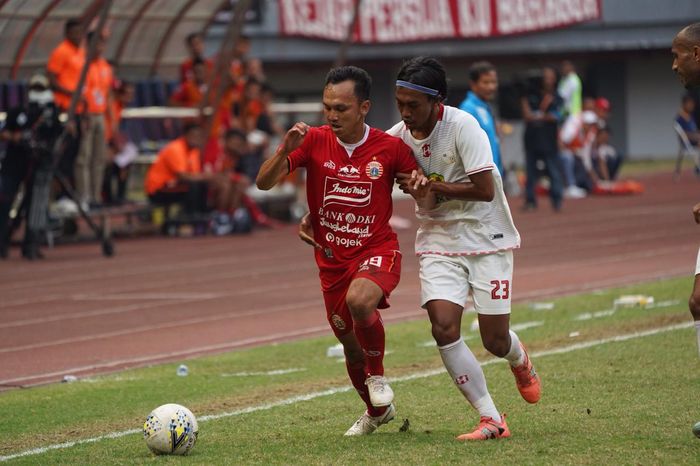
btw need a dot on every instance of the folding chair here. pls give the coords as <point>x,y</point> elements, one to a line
<point>685,149</point>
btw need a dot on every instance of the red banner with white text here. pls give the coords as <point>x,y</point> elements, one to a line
<point>392,21</point>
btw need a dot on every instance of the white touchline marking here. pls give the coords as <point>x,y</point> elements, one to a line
<point>275,372</point>
<point>526,325</point>
<point>594,315</point>
<point>333,391</point>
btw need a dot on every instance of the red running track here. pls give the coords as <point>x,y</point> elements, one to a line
<point>167,299</point>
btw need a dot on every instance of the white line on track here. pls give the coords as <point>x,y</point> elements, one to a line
<point>333,391</point>
<point>270,338</point>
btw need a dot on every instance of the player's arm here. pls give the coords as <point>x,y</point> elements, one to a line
<point>419,187</point>
<point>479,188</point>
<point>276,167</point>
<point>696,212</point>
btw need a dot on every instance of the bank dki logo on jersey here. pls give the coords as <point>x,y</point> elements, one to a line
<point>374,170</point>
<point>349,193</point>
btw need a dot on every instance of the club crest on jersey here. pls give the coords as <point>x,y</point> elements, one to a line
<point>426,150</point>
<point>348,171</point>
<point>329,164</point>
<point>348,193</point>
<point>374,170</point>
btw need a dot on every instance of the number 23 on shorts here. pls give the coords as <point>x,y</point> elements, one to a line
<point>501,289</point>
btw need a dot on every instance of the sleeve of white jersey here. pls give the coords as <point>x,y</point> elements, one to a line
<point>473,146</point>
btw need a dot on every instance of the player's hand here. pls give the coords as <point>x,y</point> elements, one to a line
<point>416,184</point>
<point>294,137</point>
<point>696,212</point>
<point>306,232</point>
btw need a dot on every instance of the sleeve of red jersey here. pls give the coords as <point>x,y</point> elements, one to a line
<point>405,161</point>
<point>301,155</point>
<point>473,147</point>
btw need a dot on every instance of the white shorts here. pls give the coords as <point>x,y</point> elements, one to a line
<point>697,264</point>
<point>450,278</point>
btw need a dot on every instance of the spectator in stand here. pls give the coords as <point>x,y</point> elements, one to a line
<point>121,151</point>
<point>572,137</point>
<point>541,109</point>
<point>483,84</point>
<point>605,159</point>
<point>195,48</point>
<point>570,89</point>
<point>91,161</point>
<point>192,91</point>
<point>254,69</point>
<point>177,177</point>
<point>63,69</point>
<point>686,121</point>
<point>602,111</point>
<point>267,120</point>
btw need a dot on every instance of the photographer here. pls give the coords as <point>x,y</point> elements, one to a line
<point>30,133</point>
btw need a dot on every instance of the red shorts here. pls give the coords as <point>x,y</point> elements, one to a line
<point>384,270</point>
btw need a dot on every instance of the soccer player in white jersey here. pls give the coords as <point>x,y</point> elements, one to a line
<point>465,238</point>
<point>686,64</point>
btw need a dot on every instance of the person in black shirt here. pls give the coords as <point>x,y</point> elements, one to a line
<point>541,111</point>
<point>30,133</point>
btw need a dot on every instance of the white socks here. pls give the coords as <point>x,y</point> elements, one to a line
<point>467,374</point>
<point>697,330</point>
<point>516,355</point>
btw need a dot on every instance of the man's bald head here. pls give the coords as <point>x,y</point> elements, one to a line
<point>686,55</point>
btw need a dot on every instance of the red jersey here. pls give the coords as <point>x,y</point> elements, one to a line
<point>349,196</point>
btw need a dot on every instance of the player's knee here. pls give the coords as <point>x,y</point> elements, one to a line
<point>359,304</point>
<point>445,333</point>
<point>694,305</point>
<point>498,345</point>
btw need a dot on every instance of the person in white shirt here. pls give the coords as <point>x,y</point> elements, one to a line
<point>465,238</point>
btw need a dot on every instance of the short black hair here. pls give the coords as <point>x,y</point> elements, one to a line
<point>192,36</point>
<point>692,33</point>
<point>362,80</point>
<point>190,126</point>
<point>71,23</point>
<point>479,68</point>
<point>427,72</point>
<point>235,133</point>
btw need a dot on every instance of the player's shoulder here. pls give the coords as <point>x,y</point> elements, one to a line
<point>385,137</point>
<point>462,120</point>
<point>396,130</point>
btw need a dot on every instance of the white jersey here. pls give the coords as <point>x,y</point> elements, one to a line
<point>456,148</point>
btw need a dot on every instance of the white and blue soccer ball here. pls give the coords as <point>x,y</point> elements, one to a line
<point>170,429</point>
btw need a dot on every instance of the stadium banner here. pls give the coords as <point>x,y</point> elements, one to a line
<point>391,21</point>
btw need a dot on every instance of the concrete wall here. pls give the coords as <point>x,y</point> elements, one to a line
<point>652,100</point>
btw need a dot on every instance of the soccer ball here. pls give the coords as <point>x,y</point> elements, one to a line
<point>170,429</point>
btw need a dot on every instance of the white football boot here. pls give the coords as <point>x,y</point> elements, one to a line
<point>368,424</point>
<point>380,393</point>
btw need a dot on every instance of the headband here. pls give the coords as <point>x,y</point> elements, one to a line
<point>418,87</point>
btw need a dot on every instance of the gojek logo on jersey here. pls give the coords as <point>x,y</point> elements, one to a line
<point>349,193</point>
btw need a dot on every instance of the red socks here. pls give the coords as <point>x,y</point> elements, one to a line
<point>370,334</point>
<point>357,376</point>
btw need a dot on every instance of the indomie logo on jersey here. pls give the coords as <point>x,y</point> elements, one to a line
<point>350,193</point>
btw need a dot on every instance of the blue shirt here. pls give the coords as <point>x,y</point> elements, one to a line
<point>688,126</point>
<point>482,112</point>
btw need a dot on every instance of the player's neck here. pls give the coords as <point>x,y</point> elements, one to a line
<point>355,136</point>
<point>425,130</point>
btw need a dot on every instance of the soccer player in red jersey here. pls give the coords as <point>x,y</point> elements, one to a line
<point>351,170</point>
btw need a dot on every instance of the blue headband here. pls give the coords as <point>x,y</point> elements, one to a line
<point>418,87</point>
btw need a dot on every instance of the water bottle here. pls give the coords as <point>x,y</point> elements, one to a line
<point>182,370</point>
